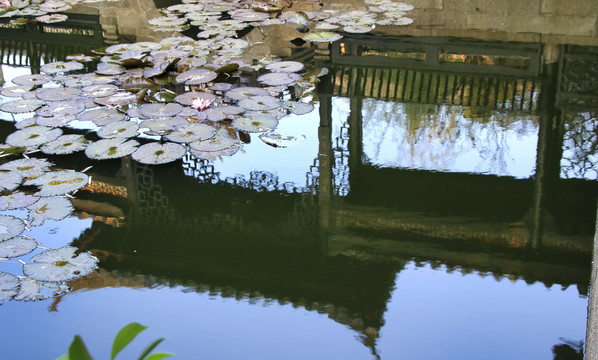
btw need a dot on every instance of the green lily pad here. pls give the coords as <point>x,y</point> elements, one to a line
<point>9,286</point>
<point>53,208</point>
<point>17,246</point>
<point>155,153</point>
<point>10,227</point>
<point>111,148</point>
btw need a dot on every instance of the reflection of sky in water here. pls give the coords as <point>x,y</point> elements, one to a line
<point>290,164</point>
<point>464,316</point>
<point>447,138</point>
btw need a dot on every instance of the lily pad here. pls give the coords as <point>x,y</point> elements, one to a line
<point>9,286</point>
<point>323,36</point>
<point>55,121</point>
<point>16,200</point>
<point>33,290</point>
<point>163,126</point>
<point>285,66</point>
<point>10,180</point>
<point>191,132</point>
<point>102,116</point>
<point>21,106</point>
<point>17,246</point>
<point>32,80</point>
<point>119,129</point>
<point>54,183</point>
<point>255,123</point>
<point>65,144</point>
<point>60,265</point>
<point>220,142</point>
<point>115,100</point>
<point>298,107</point>
<point>54,208</point>
<point>28,167</point>
<point>61,66</point>
<point>260,103</point>
<point>111,148</point>
<point>10,227</point>
<point>100,90</point>
<point>241,93</point>
<point>160,110</point>
<point>279,78</point>
<point>155,153</point>
<point>15,91</point>
<point>57,108</point>
<point>33,136</point>
<point>196,77</point>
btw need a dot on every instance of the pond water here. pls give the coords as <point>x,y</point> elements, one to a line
<point>416,197</point>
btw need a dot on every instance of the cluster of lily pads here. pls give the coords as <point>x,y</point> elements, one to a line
<point>206,15</point>
<point>49,11</point>
<point>47,272</point>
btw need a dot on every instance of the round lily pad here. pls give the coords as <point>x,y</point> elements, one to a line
<point>10,180</point>
<point>111,148</point>
<point>28,167</point>
<point>55,121</point>
<point>32,80</point>
<point>160,110</point>
<point>57,94</point>
<point>279,78</point>
<point>119,99</point>
<point>54,208</point>
<point>285,66</point>
<point>9,286</point>
<point>33,290</point>
<point>215,144</point>
<point>60,265</point>
<point>16,200</point>
<point>21,106</point>
<point>241,93</point>
<point>102,116</point>
<point>100,90</point>
<point>298,107</point>
<point>17,246</point>
<point>33,136</point>
<point>155,153</point>
<point>53,183</point>
<point>61,66</point>
<point>196,77</point>
<point>119,129</point>
<point>10,227</point>
<point>260,103</point>
<point>323,36</point>
<point>55,108</point>
<point>255,123</point>
<point>65,144</point>
<point>163,126</point>
<point>15,91</point>
<point>191,132</point>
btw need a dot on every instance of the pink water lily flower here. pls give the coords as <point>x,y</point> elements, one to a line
<point>5,3</point>
<point>200,103</point>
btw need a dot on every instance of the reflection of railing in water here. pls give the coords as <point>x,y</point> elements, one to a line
<point>436,88</point>
<point>27,45</point>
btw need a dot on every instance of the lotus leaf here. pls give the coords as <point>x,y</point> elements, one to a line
<point>160,110</point>
<point>119,129</point>
<point>33,136</point>
<point>61,66</point>
<point>54,208</point>
<point>55,183</point>
<point>255,123</point>
<point>260,103</point>
<point>22,106</point>
<point>60,265</point>
<point>9,286</point>
<point>10,227</point>
<point>33,290</point>
<point>191,132</point>
<point>17,246</point>
<point>69,107</point>
<point>111,148</point>
<point>155,153</point>
<point>28,167</point>
<point>32,80</point>
<point>10,180</point>
<point>65,144</point>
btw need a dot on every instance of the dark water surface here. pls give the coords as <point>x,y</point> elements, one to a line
<point>421,211</point>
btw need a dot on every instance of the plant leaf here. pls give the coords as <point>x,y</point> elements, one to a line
<point>158,356</point>
<point>149,349</point>
<point>78,351</point>
<point>125,336</point>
